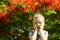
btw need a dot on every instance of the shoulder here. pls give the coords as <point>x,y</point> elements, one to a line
<point>45,33</point>
<point>31,32</point>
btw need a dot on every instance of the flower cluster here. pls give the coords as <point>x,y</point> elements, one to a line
<point>27,6</point>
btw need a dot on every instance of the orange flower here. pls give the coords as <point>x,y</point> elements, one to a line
<point>2,14</point>
<point>30,5</point>
<point>33,8</point>
<point>15,2</point>
<point>48,1</point>
<point>12,8</point>
<point>50,7</point>
<point>26,10</point>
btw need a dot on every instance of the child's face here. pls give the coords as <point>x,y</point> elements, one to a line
<point>38,23</point>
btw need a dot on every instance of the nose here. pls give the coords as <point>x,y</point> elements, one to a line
<point>38,24</point>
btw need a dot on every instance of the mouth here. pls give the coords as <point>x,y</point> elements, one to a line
<point>38,27</point>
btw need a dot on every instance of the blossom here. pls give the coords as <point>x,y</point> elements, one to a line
<point>15,2</point>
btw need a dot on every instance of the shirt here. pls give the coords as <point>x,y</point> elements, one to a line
<point>45,33</point>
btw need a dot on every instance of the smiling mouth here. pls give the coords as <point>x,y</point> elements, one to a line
<point>38,27</point>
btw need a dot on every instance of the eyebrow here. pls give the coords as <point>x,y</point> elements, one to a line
<point>35,17</point>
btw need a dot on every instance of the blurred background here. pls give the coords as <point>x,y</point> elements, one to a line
<point>16,18</point>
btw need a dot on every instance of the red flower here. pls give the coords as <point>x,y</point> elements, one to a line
<point>48,1</point>
<point>12,8</point>
<point>28,1</point>
<point>33,8</point>
<point>15,2</point>
<point>2,14</point>
<point>30,5</point>
<point>38,0</point>
<point>25,10</point>
<point>57,4</point>
<point>58,7</point>
<point>50,7</point>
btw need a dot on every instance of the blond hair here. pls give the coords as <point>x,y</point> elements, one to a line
<point>37,16</point>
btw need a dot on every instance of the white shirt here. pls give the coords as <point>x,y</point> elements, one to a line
<point>44,32</point>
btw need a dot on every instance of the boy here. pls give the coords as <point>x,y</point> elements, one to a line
<point>38,33</point>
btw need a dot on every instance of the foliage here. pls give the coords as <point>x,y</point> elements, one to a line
<point>16,18</point>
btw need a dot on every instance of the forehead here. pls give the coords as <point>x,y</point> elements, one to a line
<point>38,19</point>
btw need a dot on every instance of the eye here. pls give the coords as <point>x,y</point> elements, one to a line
<point>40,22</point>
<point>35,22</point>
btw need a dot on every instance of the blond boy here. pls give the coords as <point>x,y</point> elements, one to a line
<point>38,33</point>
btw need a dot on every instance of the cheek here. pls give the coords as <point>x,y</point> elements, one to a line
<point>42,24</point>
<point>34,25</point>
